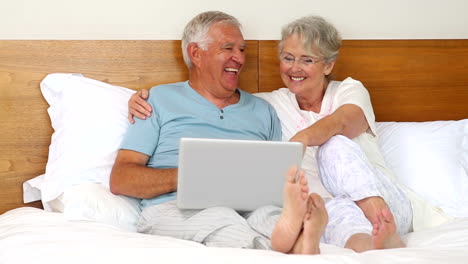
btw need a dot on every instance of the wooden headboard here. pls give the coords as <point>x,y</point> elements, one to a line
<point>409,80</point>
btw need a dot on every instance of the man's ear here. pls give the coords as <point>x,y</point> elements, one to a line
<point>329,67</point>
<point>194,52</point>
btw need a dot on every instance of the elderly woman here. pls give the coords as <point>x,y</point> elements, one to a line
<point>338,117</point>
<point>364,208</point>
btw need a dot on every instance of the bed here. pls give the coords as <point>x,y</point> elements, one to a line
<point>56,124</point>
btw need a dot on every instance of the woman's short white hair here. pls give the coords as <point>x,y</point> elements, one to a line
<point>317,35</point>
<point>196,31</point>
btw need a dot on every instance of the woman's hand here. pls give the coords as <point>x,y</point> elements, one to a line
<point>138,107</point>
<point>301,138</point>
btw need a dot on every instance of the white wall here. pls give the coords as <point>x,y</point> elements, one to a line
<point>262,19</point>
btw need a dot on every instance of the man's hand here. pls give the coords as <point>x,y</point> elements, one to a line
<point>138,107</point>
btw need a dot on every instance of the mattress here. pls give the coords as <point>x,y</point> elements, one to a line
<point>31,235</point>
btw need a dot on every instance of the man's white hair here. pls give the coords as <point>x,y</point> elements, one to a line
<point>196,31</point>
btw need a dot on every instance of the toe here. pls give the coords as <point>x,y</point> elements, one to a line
<point>291,174</point>
<point>317,200</point>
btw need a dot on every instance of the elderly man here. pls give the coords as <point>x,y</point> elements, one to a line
<point>209,104</point>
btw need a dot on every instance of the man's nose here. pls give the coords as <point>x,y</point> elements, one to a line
<point>238,56</point>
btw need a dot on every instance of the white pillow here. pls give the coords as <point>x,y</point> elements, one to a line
<point>93,202</point>
<point>89,118</point>
<point>431,158</point>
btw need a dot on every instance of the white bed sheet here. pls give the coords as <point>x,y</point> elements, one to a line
<point>31,235</point>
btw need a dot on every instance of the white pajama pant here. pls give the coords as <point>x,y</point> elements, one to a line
<point>348,175</point>
<point>345,172</point>
<point>215,226</point>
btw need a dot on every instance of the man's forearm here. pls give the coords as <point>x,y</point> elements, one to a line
<point>141,181</point>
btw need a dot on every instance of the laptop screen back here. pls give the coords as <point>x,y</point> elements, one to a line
<point>240,174</point>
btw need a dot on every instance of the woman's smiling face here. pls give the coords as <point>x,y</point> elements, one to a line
<point>300,70</point>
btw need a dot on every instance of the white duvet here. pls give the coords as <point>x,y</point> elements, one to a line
<point>30,235</point>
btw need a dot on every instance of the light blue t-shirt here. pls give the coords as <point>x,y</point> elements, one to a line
<point>179,111</point>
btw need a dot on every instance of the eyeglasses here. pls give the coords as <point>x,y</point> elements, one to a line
<point>304,60</point>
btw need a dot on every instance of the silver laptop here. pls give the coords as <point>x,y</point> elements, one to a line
<point>240,174</point>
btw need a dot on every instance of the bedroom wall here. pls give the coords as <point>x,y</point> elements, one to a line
<point>262,19</point>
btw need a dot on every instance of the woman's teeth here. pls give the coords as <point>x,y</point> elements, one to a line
<point>297,78</point>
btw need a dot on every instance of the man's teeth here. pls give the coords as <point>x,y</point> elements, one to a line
<point>231,69</point>
<point>297,78</point>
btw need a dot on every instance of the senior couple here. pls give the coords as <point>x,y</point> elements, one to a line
<point>353,201</point>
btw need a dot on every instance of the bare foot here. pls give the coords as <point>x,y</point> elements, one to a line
<point>371,207</point>
<point>384,233</point>
<point>295,195</point>
<point>315,221</point>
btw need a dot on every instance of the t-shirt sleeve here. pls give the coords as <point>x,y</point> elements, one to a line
<point>143,135</point>
<point>276,134</point>
<point>353,92</point>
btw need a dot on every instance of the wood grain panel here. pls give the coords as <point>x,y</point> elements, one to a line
<point>409,80</point>
<point>268,66</point>
<point>24,124</point>
<point>133,64</point>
